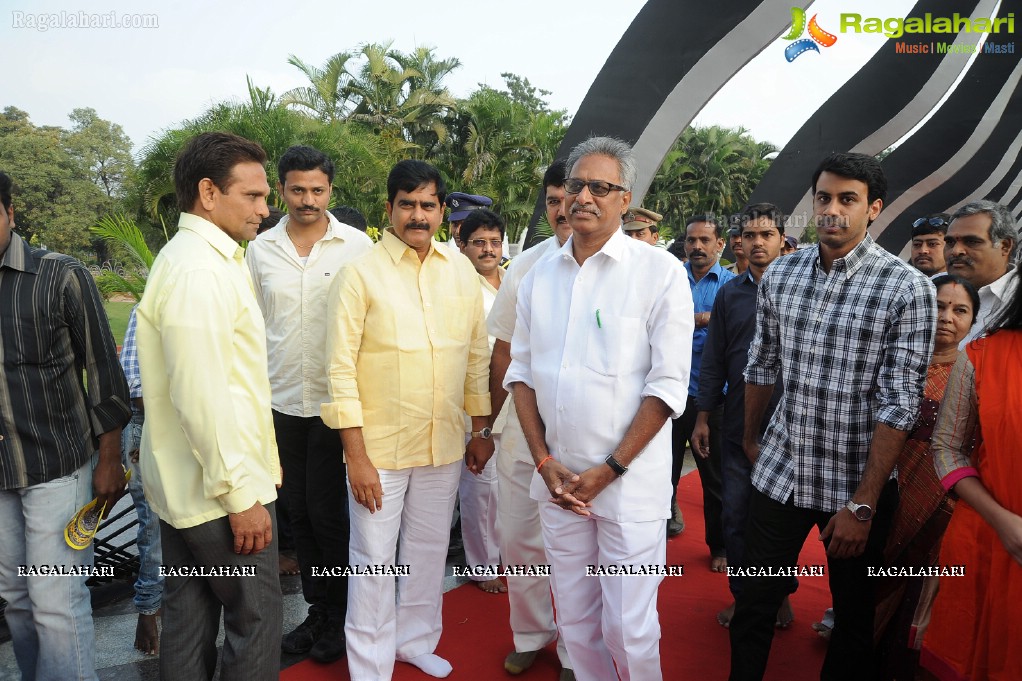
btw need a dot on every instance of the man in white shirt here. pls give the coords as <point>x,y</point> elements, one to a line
<point>980,246</point>
<point>521,539</point>
<point>482,239</point>
<point>293,265</point>
<point>600,362</point>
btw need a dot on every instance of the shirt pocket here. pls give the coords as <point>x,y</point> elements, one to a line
<point>612,346</point>
<point>457,311</point>
<point>26,339</point>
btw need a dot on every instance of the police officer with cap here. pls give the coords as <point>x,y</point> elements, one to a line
<point>641,223</point>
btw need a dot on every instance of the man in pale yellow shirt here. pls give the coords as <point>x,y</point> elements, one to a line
<point>406,360</point>
<point>208,457</point>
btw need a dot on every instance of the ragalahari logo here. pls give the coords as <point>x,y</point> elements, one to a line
<point>798,26</point>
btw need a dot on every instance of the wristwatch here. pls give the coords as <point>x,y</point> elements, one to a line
<point>861,512</point>
<point>484,433</point>
<point>615,465</point>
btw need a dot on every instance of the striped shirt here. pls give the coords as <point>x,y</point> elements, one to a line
<point>52,329</point>
<point>852,347</point>
<point>129,357</point>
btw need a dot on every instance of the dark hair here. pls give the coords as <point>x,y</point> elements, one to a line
<point>270,220</point>
<point>301,157</point>
<point>856,167</point>
<point>6,183</point>
<point>211,155</point>
<point>718,228</point>
<point>927,228</point>
<point>764,210</point>
<point>677,249</point>
<point>481,218</point>
<point>1008,316</point>
<point>409,174</point>
<point>350,215</point>
<point>945,279</point>
<point>555,174</point>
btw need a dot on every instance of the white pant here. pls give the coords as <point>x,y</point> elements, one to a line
<point>415,502</point>
<point>521,543</point>
<point>479,515</point>
<point>607,619</point>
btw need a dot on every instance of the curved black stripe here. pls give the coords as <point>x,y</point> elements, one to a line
<point>664,41</point>
<point>931,147</point>
<point>863,105</point>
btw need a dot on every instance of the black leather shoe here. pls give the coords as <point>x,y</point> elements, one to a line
<point>330,644</point>
<point>674,528</point>
<point>304,636</point>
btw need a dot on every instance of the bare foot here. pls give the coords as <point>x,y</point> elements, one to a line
<point>785,615</point>
<point>718,564</point>
<point>725,615</point>
<point>147,635</point>
<point>492,586</point>
<point>287,565</point>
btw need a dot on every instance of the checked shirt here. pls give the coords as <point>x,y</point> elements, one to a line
<point>852,347</point>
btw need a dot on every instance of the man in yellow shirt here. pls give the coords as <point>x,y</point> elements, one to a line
<point>208,456</point>
<point>406,359</point>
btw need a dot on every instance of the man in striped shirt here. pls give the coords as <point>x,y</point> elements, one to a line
<point>53,418</point>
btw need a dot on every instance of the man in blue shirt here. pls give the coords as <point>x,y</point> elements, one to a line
<point>704,242</point>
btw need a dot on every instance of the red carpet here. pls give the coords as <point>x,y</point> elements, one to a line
<point>477,637</point>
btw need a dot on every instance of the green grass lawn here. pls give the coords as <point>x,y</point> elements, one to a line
<point>118,314</point>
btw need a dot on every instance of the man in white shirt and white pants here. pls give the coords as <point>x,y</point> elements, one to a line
<point>599,364</point>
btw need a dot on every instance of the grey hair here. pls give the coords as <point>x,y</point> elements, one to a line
<point>607,146</point>
<point>1002,224</point>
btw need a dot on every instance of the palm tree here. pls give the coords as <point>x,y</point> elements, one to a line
<point>124,236</point>
<point>327,95</point>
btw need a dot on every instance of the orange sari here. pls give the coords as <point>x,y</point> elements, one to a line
<point>974,632</point>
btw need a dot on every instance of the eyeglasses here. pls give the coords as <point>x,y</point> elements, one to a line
<point>932,222</point>
<point>573,185</point>
<point>481,243</point>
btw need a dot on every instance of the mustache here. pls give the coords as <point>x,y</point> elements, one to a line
<point>416,225</point>
<point>579,208</point>
<point>697,254</point>
<point>561,220</point>
<point>822,221</point>
<point>309,208</point>
<point>960,260</point>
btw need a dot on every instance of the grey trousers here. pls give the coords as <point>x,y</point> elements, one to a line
<point>192,605</point>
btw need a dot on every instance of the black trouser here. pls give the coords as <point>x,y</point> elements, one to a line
<point>774,537</point>
<point>709,470</point>
<point>192,605</point>
<point>316,491</point>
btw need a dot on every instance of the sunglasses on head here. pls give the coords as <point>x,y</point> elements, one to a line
<point>932,222</point>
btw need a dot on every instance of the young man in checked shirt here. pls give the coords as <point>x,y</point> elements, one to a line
<point>850,328</point>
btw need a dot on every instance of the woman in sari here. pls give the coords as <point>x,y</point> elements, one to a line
<point>924,506</point>
<point>974,633</point>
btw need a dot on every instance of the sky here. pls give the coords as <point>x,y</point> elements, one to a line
<point>150,79</point>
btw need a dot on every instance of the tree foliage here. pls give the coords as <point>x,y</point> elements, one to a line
<point>707,170</point>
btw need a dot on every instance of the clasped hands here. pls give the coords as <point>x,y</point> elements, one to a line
<point>575,491</point>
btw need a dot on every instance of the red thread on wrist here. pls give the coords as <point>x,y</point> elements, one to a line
<point>539,466</point>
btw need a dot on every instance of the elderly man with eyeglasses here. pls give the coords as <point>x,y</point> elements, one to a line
<point>599,365</point>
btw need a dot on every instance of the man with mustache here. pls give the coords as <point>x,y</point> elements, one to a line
<point>980,246</point>
<point>407,358</point>
<point>928,244</point>
<point>293,265</point>
<point>848,327</point>
<point>599,364</point>
<point>704,242</point>
<point>482,240</point>
<point>521,540</point>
